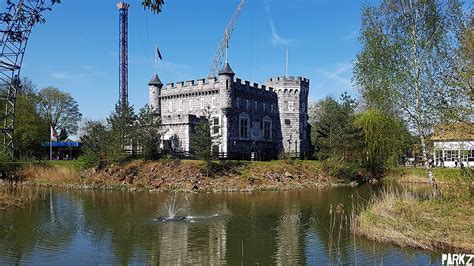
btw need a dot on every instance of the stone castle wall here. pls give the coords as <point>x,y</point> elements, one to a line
<point>231,99</point>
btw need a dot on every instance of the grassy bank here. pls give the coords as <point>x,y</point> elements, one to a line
<point>418,175</point>
<point>185,175</point>
<point>406,218</point>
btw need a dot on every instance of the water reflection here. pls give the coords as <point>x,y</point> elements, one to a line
<point>287,240</point>
<point>174,243</point>
<point>93,227</point>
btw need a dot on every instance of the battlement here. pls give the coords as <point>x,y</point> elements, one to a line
<point>191,84</point>
<point>252,86</point>
<point>288,79</point>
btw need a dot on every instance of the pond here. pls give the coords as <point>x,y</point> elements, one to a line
<point>293,227</point>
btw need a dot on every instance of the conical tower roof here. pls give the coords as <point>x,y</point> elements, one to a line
<point>226,70</point>
<point>155,81</point>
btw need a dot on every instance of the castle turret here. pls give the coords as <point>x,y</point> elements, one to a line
<point>227,71</point>
<point>293,109</point>
<point>154,92</point>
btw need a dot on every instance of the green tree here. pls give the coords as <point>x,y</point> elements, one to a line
<point>27,88</point>
<point>123,133</point>
<point>30,128</point>
<point>463,69</point>
<point>63,135</point>
<point>95,140</point>
<point>385,140</point>
<point>203,140</point>
<point>333,134</point>
<point>154,5</point>
<point>149,133</point>
<point>405,61</point>
<point>59,109</point>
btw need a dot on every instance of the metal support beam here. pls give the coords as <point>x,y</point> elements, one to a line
<point>16,23</point>
<point>123,54</point>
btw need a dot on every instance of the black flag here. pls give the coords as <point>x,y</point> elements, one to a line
<point>158,53</point>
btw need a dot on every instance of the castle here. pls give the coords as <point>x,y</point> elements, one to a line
<point>250,120</point>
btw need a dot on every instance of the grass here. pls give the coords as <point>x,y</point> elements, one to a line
<point>418,175</point>
<point>407,218</point>
<point>12,196</point>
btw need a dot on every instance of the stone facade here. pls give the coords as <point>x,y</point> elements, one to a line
<point>248,118</point>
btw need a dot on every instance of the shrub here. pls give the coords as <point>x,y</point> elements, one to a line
<point>342,169</point>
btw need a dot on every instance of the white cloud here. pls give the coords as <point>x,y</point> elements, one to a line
<point>83,72</point>
<point>338,74</point>
<point>276,38</point>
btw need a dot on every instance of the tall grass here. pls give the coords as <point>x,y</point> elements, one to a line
<point>12,196</point>
<point>416,219</point>
<point>338,221</point>
<point>47,172</point>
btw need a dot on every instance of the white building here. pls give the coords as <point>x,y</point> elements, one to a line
<point>454,145</point>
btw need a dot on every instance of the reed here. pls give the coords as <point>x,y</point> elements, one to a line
<point>13,195</point>
<point>406,218</point>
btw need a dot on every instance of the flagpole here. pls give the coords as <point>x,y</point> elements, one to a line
<point>226,46</point>
<point>50,143</point>
<point>156,55</point>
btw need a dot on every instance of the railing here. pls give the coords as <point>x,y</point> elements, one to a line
<point>247,156</point>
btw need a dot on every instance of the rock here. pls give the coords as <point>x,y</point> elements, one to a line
<point>196,185</point>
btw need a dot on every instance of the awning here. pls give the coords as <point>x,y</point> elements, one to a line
<point>62,144</point>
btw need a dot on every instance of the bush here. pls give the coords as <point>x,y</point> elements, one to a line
<point>341,169</point>
<point>89,160</point>
<point>5,157</point>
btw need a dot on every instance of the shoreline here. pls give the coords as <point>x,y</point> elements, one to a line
<point>184,176</point>
<point>406,219</point>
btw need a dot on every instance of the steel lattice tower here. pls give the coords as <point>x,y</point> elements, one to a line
<point>123,54</point>
<point>16,24</point>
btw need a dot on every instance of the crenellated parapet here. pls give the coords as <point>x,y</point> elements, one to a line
<point>191,87</point>
<point>290,79</point>
<point>213,85</point>
<point>251,87</point>
<point>290,85</point>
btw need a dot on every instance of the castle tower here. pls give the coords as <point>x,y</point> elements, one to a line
<point>226,77</point>
<point>154,92</point>
<point>293,110</point>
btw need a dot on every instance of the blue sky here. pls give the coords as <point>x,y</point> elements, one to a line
<point>77,49</point>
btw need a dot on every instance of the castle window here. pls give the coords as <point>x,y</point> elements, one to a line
<point>238,103</point>
<point>215,149</point>
<point>247,104</point>
<point>287,122</point>
<point>256,105</point>
<point>272,108</point>
<point>264,107</point>
<point>215,125</point>
<point>267,129</point>
<point>291,106</point>
<point>244,126</point>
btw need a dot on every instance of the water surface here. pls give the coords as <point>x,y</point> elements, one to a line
<point>94,227</point>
